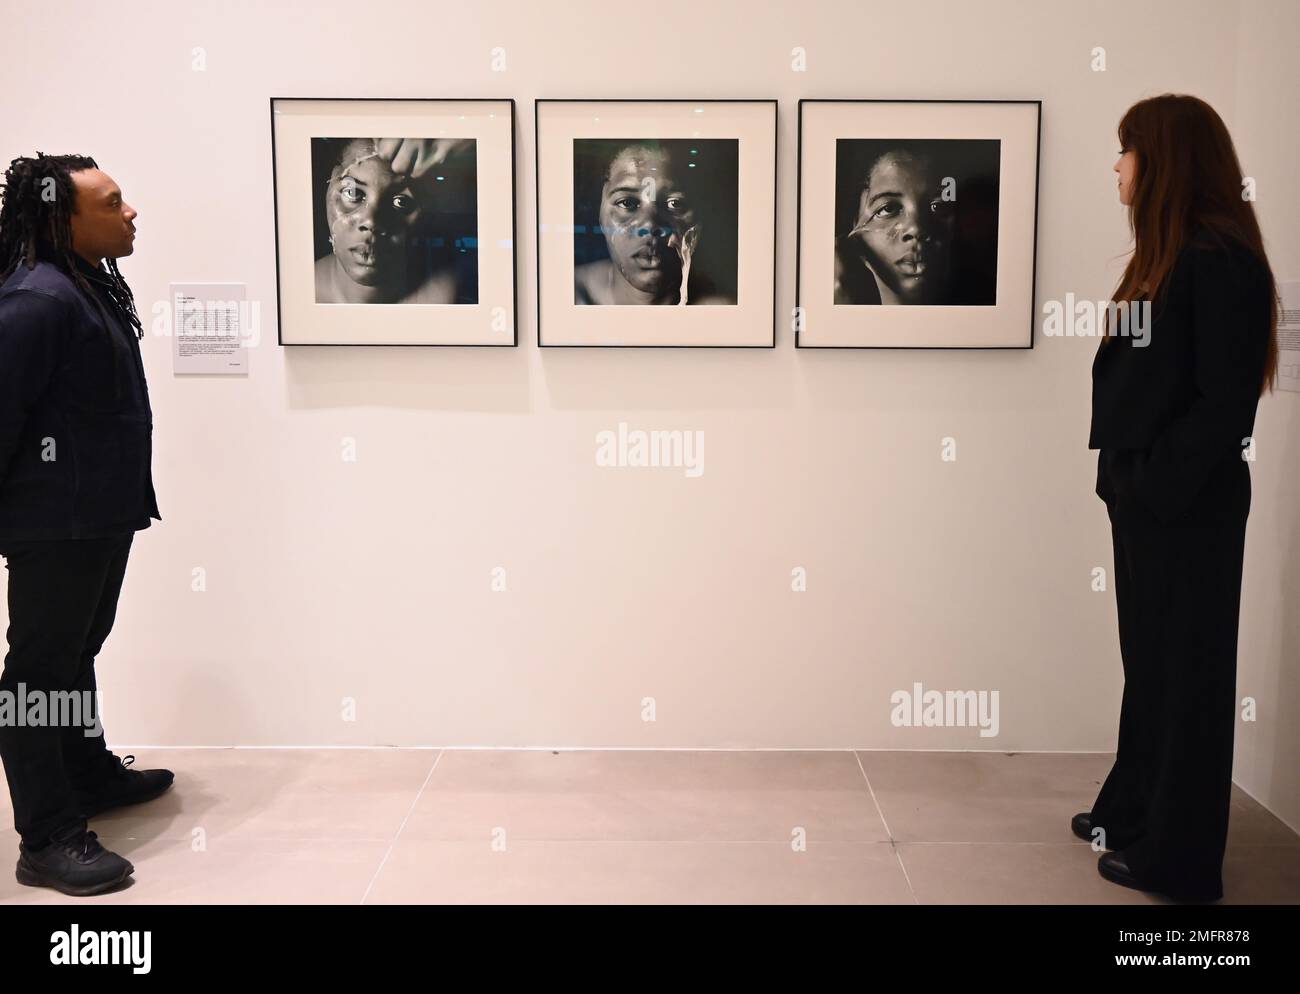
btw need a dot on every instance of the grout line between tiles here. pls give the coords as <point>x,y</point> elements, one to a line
<point>898,855</point>
<point>867,780</point>
<point>420,793</point>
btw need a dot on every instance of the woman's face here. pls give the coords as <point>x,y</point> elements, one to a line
<point>641,207</point>
<point>1126,167</point>
<point>370,210</point>
<point>906,226</point>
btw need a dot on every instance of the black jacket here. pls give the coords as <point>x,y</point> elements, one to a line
<point>75,422</point>
<point>1171,418</point>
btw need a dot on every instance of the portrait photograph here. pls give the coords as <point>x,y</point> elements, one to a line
<point>655,221</point>
<point>401,240</point>
<point>917,223</point>
<point>396,220</point>
<point>651,204</point>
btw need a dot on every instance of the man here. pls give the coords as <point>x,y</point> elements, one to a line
<point>75,486</point>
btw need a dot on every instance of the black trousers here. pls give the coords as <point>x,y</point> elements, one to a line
<point>62,602</point>
<point>1178,597</point>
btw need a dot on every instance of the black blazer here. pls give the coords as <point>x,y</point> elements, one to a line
<point>1171,417</point>
<point>75,422</point>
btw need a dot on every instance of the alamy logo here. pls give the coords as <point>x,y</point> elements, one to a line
<point>1084,318</point>
<point>52,708</point>
<point>77,948</point>
<point>945,709</point>
<point>651,448</point>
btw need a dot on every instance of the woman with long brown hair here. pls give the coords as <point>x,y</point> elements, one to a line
<point>1173,410</point>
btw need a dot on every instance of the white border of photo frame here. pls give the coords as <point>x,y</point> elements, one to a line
<point>1009,323</point>
<point>302,321</point>
<point>750,322</point>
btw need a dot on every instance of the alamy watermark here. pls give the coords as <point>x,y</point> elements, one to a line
<point>1084,319</point>
<point>102,948</point>
<point>233,319</point>
<point>636,447</point>
<point>51,708</point>
<point>919,708</point>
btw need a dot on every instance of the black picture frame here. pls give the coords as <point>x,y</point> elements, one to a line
<point>514,224</point>
<point>537,174</point>
<point>799,218</point>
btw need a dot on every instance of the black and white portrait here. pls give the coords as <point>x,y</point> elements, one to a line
<point>916,221</point>
<point>395,220</point>
<point>655,221</point>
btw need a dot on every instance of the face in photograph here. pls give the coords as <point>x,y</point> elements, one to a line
<point>905,228</point>
<point>397,230</point>
<point>918,222</point>
<point>660,207</point>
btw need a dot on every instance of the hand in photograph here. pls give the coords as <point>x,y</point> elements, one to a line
<point>649,213</point>
<point>380,194</point>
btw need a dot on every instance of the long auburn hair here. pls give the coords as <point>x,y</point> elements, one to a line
<point>1187,174</point>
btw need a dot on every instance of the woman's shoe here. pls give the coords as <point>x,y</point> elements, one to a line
<point>1114,867</point>
<point>1081,825</point>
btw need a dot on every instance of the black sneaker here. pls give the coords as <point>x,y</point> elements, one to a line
<point>121,786</point>
<point>73,862</point>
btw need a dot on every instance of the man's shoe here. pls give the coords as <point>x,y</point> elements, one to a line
<point>72,862</point>
<point>121,786</point>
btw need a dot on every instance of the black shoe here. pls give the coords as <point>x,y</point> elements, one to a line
<point>1114,867</point>
<point>121,786</point>
<point>1081,825</point>
<point>72,862</point>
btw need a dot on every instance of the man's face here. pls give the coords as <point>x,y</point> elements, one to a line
<point>906,226</point>
<point>103,224</point>
<point>371,210</point>
<point>641,207</point>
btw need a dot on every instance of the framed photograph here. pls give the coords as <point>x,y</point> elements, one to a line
<point>656,223</point>
<point>918,223</point>
<point>401,240</point>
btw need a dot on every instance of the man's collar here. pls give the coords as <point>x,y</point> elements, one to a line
<point>93,271</point>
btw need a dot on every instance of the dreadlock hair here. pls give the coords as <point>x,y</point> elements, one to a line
<point>35,225</point>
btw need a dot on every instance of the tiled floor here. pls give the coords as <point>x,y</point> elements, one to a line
<point>478,826</point>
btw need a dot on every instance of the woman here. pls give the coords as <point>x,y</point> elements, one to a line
<point>1172,421</point>
<point>898,250</point>
<point>381,203</point>
<point>650,216</point>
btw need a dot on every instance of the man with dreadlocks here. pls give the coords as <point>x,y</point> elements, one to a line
<point>75,485</point>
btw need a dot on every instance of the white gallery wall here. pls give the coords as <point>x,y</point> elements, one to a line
<point>330,581</point>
